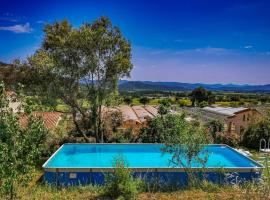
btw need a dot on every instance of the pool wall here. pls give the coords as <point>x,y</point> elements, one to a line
<point>163,176</point>
<point>178,179</point>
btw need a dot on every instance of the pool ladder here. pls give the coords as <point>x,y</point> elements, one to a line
<point>264,147</point>
<point>264,158</point>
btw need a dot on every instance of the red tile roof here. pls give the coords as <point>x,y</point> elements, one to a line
<point>50,119</point>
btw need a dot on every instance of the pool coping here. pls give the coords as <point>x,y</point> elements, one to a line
<point>153,169</point>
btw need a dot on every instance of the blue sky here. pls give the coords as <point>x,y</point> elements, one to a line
<point>185,41</point>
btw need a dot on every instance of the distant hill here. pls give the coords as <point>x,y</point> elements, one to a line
<point>177,86</point>
<point>2,64</point>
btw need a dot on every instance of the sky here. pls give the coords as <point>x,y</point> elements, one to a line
<point>224,41</point>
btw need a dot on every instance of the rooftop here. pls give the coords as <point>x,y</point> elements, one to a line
<point>50,119</point>
<point>227,111</point>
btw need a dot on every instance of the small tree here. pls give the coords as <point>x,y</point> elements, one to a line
<point>255,132</point>
<point>120,184</point>
<point>112,120</point>
<point>183,140</point>
<point>128,100</point>
<point>144,100</point>
<point>20,148</point>
<point>215,126</point>
<point>199,95</point>
<point>164,107</point>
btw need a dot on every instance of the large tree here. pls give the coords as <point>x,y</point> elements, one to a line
<point>85,63</point>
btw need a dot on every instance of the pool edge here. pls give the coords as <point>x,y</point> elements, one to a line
<point>152,169</point>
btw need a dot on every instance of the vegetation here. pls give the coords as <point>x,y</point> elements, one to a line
<point>77,71</point>
<point>201,97</point>
<point>164,107</point>
<point>120,184</point>
<point>255,132</point>
<point>236,192</point>
<point>215,127</point>
<point>128,100</point>
<point>144,100</point>
<point>21,148</point>
<point>83,63</point>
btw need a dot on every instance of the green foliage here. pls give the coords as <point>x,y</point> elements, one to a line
<point>164,107</point>
<point>184,102</point>
<point>95,54</point>
<point>199,95</point>
<point>111,122</point>
<point>216,130</point>
<point>120,184</point>
<point>231,139</point>
<point>124,136</point>
<point>182,139</point>
<point>215,126</point>
<point>255,132</point>
<point>203,104</point>
<point>144,100</point>
<point>128,100</point>
<point>20,148</point>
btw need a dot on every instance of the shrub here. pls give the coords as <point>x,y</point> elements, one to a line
<point>255,132</point>
<point>120,184</point>
<point>144,100</point>
<point>184,102</point>
<point>215,126</point>
<point>20,148</point>
<point>226,138</point>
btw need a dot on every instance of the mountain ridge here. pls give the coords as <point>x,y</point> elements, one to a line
<point>125,85</point>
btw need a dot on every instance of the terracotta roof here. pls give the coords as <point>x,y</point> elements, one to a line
<point>142,113</point>
<point>151,110</point>
<point>50,119</point>
<point>128,113</point>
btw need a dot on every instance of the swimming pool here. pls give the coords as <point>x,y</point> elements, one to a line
<point>74,164</point>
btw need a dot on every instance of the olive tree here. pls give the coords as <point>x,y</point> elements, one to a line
<point>184,141</point>
<point>85,63</point>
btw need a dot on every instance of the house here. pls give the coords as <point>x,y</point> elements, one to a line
<point>235,120</point>
<point>133,117</point>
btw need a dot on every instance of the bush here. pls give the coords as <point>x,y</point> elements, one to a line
<point>120,184</point>
<point>255,132</point>
<point>184,102</point>
<point>226,138</point>
<point>20,148</point>
<point>215,127</point>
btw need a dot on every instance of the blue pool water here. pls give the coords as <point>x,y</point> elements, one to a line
<point>141,156</point>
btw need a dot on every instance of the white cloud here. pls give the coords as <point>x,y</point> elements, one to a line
<point>206,50</point>
<point>158,52</point>
<point>18,28</point>
<point>248,47</point>
<point>178,40</point>
<point>41,22</point>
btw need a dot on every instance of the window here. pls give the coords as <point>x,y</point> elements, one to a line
<point>244,117</point>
